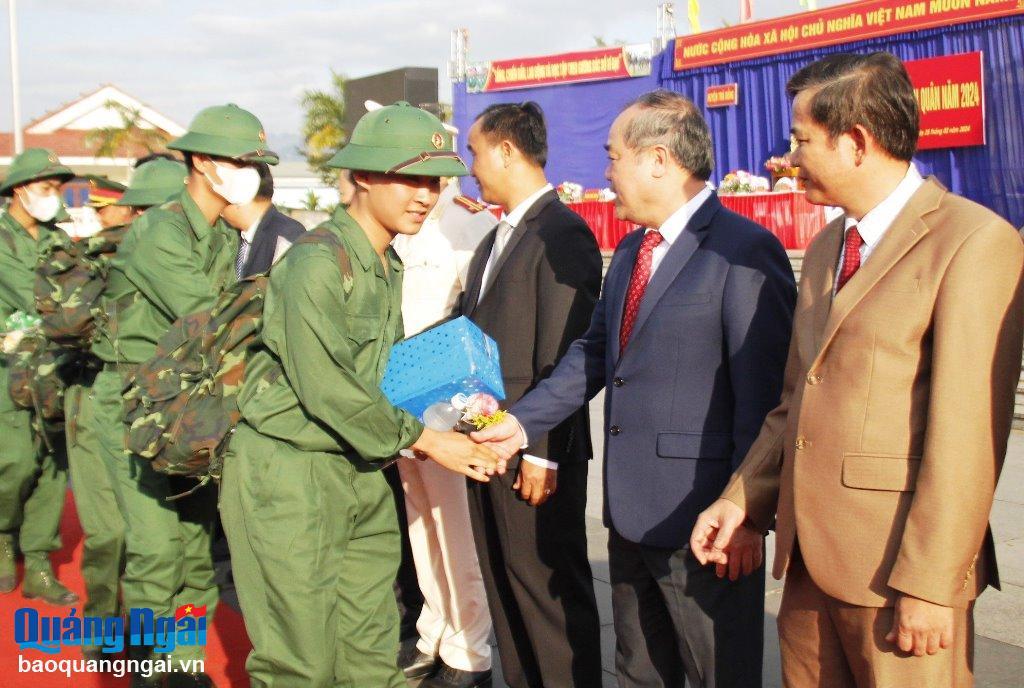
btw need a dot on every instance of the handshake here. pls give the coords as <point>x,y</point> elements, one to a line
<point>450,377</point>
<point>486,452</point>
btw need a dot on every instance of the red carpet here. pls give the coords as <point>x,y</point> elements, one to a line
<point>226,648</point>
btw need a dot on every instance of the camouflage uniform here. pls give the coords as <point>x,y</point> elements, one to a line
<point>310,519</point>
<point>102,522</point>
<point>33,481</point>
<point>171,263</point>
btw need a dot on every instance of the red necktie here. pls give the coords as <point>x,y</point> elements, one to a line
<point>638,285</point>
<point>851,256</point>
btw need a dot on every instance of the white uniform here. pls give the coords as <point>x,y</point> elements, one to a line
<point>454,623</point>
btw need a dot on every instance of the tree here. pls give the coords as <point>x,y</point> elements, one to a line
<point>311,201</point>
<point>323,130</point>
<point>129,139</point>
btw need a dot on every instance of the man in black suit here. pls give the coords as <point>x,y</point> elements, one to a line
<point>532,287</point>
<point>266,231</point>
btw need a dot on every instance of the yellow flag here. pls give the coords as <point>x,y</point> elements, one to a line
<point>694,13</point>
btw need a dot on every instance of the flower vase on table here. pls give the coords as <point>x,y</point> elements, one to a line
<point>782,167</point>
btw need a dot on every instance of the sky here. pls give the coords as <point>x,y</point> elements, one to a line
<point>179,56</point>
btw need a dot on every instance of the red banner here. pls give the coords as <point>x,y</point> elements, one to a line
<point>854,21</point>
<point>619,62</point>
<point>722,96</point>
<point>950,94</point>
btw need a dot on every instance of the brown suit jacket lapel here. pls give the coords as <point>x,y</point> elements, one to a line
<point>905,232</point>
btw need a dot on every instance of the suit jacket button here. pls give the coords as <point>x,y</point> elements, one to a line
<point>618,382</point>
<point>614,430</point>
<point>802,444</point>
<point>813,379</point>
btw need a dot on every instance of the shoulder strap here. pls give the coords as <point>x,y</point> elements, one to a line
<point>469,204</point>
<point>321,235</point>
<point>8,239</point>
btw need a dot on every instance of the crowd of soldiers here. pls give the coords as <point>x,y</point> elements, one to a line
<point>313,567</point>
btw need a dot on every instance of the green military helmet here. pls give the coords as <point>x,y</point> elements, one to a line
<point>155,182</point>
<point>32,165</point>
<point>226,131</point>
<point>400,139</point>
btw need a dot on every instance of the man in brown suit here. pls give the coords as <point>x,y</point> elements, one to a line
<point>880,464</point>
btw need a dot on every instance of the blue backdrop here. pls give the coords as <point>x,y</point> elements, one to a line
<point>746,135</point>
<point>578,117</point>
<point>993,174</point>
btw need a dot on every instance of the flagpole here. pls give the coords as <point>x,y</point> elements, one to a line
<point>19,142</point>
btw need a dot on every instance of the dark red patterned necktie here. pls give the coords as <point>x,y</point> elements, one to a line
<point>851,256</point>
<point>638,285</point>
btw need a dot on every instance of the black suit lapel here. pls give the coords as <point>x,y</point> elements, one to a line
<point>517,236</point>
<point>262,241</point>
<point>476,274</point>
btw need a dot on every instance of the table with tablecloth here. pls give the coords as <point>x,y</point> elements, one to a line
<point>787,214</point>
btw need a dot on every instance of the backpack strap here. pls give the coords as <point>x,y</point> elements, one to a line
<point>9,240</point>
<point>322,236</point>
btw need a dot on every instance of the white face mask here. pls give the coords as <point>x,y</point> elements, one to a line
<point>238,184</point>
<point>42,208</point>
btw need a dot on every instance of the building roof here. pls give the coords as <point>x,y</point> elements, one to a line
<point>65,129</point>
<point>89,111</point>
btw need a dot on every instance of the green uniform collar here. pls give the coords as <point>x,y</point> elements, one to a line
<point>362,249</point>
<point>200,227</point>
<point>6,217</point>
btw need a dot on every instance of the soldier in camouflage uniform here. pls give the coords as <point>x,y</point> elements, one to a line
<point>175,260</point>
<point>32,480</point>
<point>102,523</point>
<point>310,519</point>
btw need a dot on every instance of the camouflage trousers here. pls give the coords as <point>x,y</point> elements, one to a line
<point>315,548</point>
<point>98,512</point>
<point>167,544</point>
<point>33,484</point>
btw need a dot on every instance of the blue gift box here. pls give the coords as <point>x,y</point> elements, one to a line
<point>435,365</point>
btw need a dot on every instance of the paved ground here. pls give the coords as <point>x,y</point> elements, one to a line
<point>999,616</point>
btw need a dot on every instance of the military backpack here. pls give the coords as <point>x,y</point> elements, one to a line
<point>181,405</point>
<point>70,279</point>
<point>53,356</point>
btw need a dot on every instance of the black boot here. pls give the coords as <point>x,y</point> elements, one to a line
<point>180,679</point>
<point>157,679</point>
<point>448,677</point>
<point>40,582</point>
<point>415,664</point>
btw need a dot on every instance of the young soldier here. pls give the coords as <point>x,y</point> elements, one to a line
<point>309,516</point>
<point>32,481</point>
<point>102,523</point>
<point>175,260</point>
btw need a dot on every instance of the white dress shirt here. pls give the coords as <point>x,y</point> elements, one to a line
<point>511,221</point>
<point>675,224</point>
<point>876,222</point>
<point>245,245</point>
